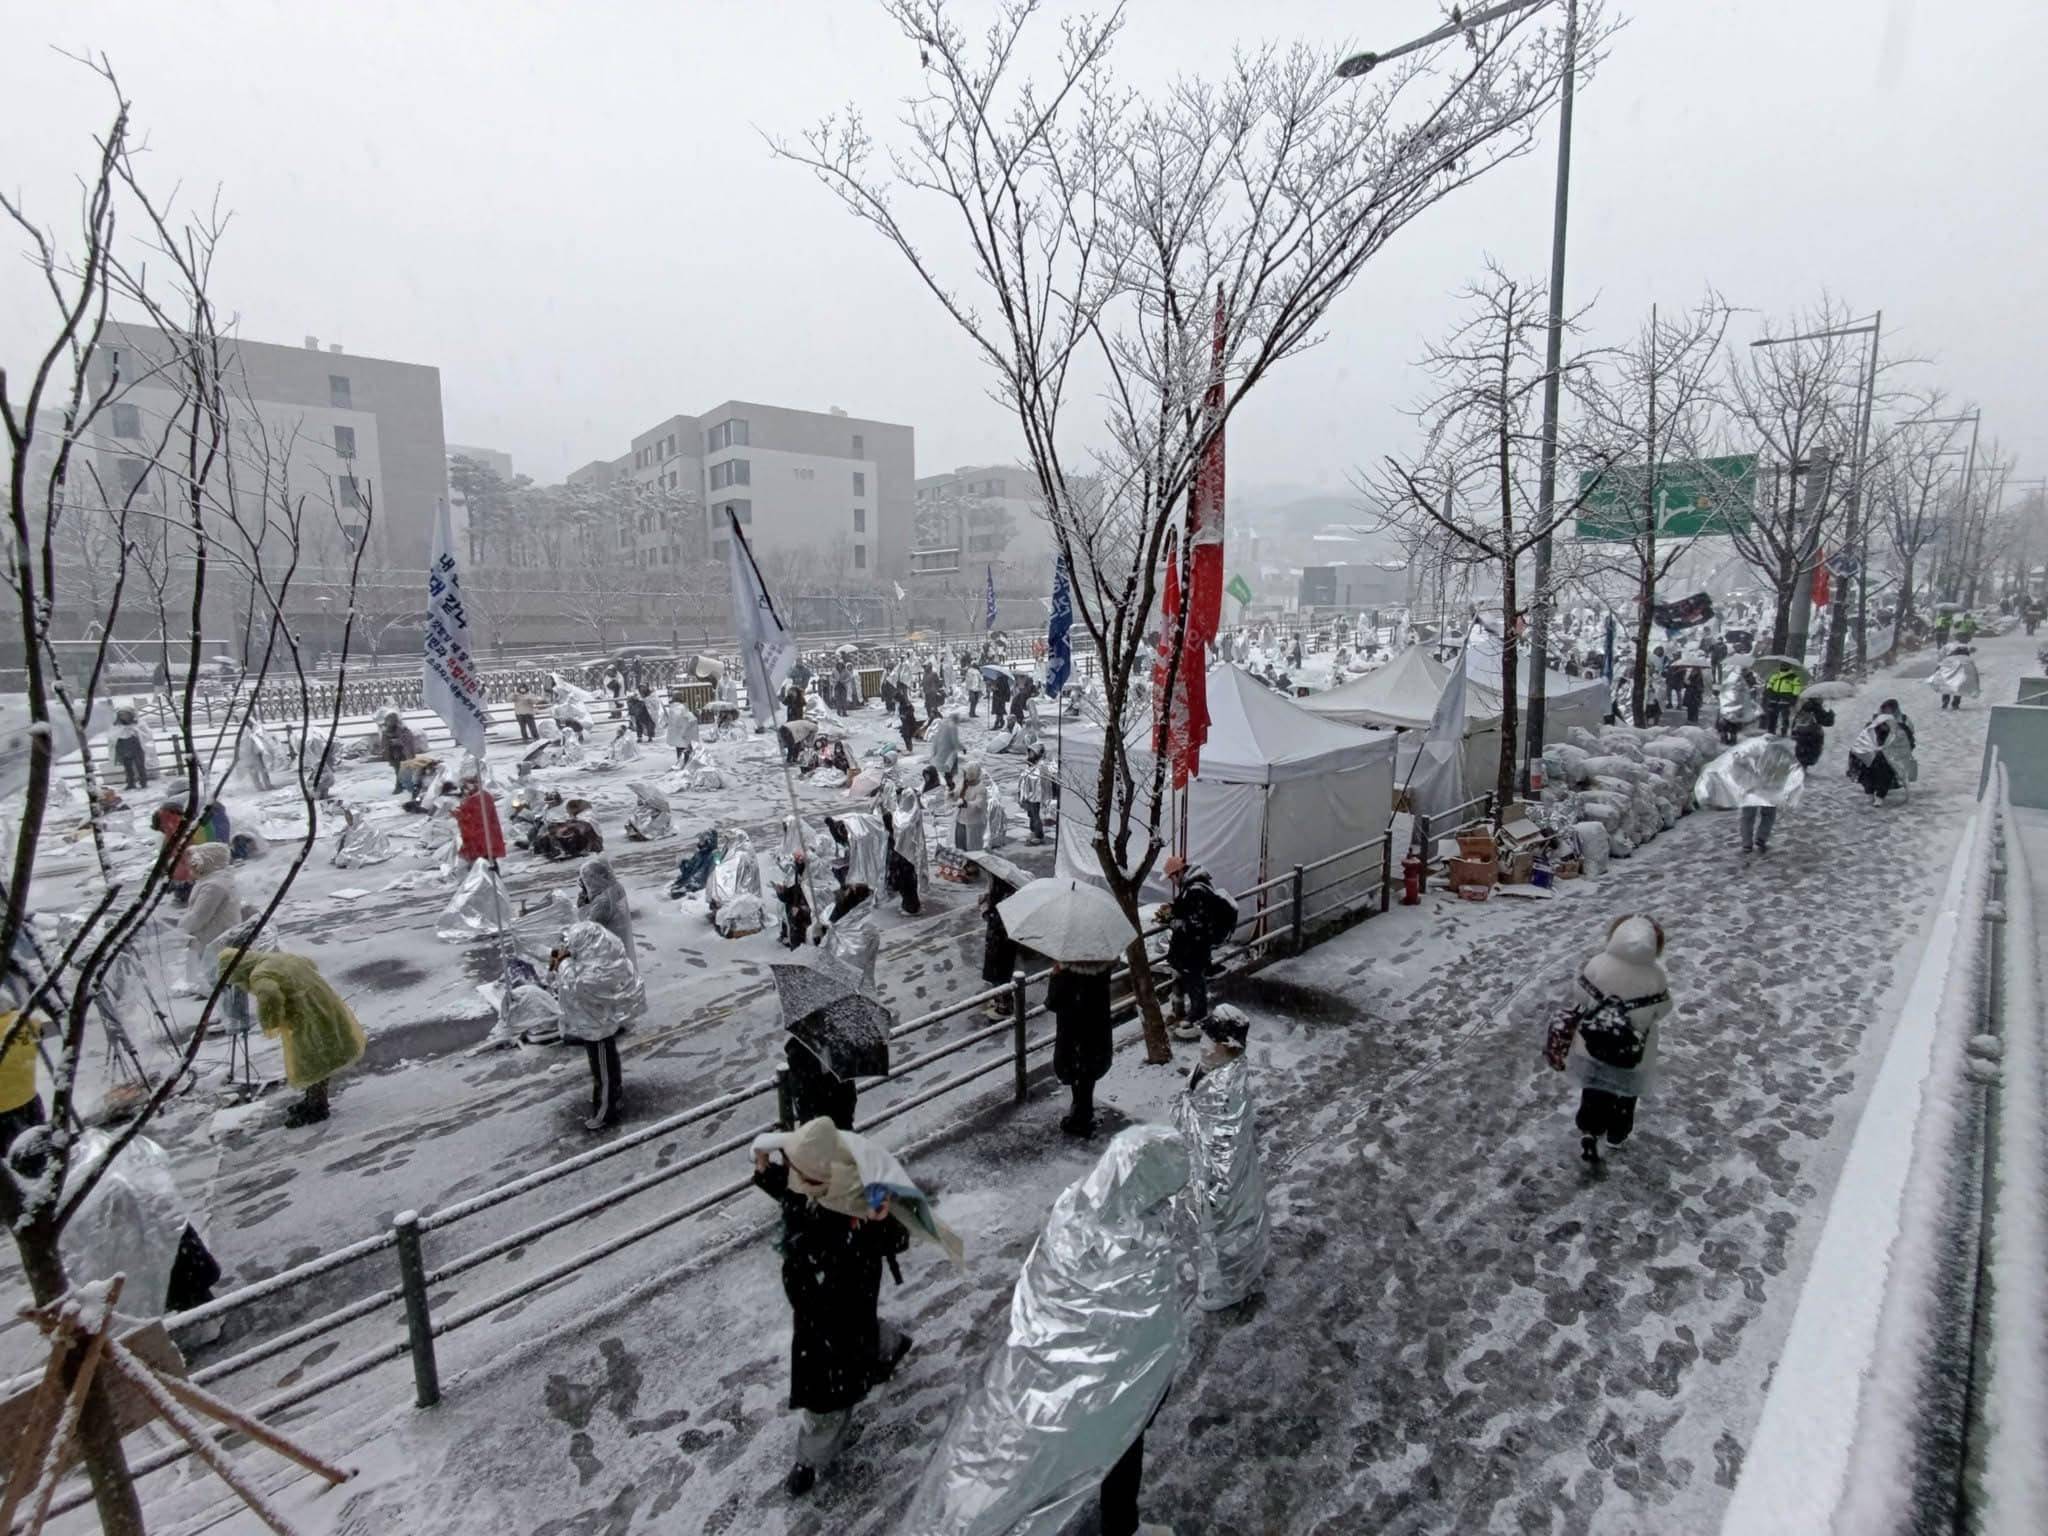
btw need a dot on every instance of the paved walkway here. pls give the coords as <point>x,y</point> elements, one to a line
<point>1462,1329</point>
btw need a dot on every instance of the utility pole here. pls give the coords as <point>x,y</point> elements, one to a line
<point>1553,356</point>
<point>1819,470</point>
<point>1859,527</point>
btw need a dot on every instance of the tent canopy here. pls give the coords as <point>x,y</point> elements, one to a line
<point>1402,694</point>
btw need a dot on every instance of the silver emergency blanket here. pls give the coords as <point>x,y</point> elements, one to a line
<point>1760,771</point>
<point>1739,703</point>
<point>478,909</point>
<point>737,873</point>
<point>129,1225</point>
<point>1099,1323</point>
<point>851,945</point>
<point>651,817</point>
<point>867,850</point>
<point>361,842</point>
<point>1898,748</point>
<point>1956,674</point>
<point>597,987</point>
<point>1216,1117</point>
<point>910,833</point>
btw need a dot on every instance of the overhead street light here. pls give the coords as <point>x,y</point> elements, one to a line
<point>1546,497</point>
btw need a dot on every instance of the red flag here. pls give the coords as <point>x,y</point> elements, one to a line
<point>1205,506</point>
<point>1180,720</point>
<point>1820,585</point>
<point>1169,616</point>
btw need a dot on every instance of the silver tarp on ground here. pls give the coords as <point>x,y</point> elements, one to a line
<point>1216,1117</point>
<point>129,1225</point>
<point>1098,1327</point>
<point>1763,770</point>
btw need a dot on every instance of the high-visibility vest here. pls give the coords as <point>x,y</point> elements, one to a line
<point>1787,683</point>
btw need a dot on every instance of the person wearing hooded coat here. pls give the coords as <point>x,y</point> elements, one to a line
<point>1077,996</point>
<point>216,906</point>
<point>847,936</point>
<point>942,745</point>
<point>1809,731</point>
<point>998,699</point>
<point>1098,1326</point>
<point>478,833</point>
<point>131,747</point>
<point>398,745</point>
<point>970,826</point>
<point>601,995</point>
<point>1955,677</point>
<point>840,1348</point>
<point>1217,1118</point>
<point>906,720</point>
<point>681,730</point>
<point>1881,760</point>
<point>1694,694</point>
<point>318,1033</point>
<point>1198,918</point>
<point>1622,994</point>
<point>906,851</point>
<point>601,899</point>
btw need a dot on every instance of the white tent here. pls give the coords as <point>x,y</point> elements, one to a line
<point>1278,787</point>
<point>1402,696</point>
<point>1567,701</point>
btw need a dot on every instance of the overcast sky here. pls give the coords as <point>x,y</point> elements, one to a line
<point>569,209</point>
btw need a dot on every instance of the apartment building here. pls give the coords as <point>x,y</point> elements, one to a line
<point>359,439</point>
<point>983,515</point>
<point>833,490</point>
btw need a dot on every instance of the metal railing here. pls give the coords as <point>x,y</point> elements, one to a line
<point>1478,811</point>
<point>1281,918</point>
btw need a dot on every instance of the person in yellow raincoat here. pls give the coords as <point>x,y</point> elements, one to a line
<point>319,1034</point>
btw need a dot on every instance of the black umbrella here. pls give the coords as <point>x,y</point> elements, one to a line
<point>850,1036</point>
<point>803,989</point>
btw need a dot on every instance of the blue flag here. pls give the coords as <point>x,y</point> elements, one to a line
<point>1059,645</point>
<point>990,622</point>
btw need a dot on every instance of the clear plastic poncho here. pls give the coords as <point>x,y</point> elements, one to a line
<point>1763,770</point>
<point>1216,1117</point>
<point>130,1224</point>
<point>1099,1323</point>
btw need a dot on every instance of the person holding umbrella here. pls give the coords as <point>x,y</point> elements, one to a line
<point>1781,693</point>
<point>1082,930</point>
<point>836,1034</point>
<point>999,952</point>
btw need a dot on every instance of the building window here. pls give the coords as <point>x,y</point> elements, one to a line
<point>860,557</point>
<point>860,446</point>
<point>345,442</point>
<point>352,533</point>
<point>127,421</point>
<point>728,434</point>
<point>351,493</point>
<point>860,482</point>
<point>132,471</point>
<point>741,510</point>
<point>337,392</point>
<point>731,472</point>
<point>860,519</point>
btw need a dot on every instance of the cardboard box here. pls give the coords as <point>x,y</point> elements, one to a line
<point>1474,892</point>
<point>1464,872</point>
<point>1477,846</point>
<point>1517,868</point>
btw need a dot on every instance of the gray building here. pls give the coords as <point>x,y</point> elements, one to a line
<point>983,515</point>
<point>358,438</point>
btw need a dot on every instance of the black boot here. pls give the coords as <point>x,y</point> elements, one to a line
<point>1589,1149</point>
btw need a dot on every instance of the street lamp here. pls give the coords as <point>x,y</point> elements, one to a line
<point>1859,528</point>
<point>1546,495</point>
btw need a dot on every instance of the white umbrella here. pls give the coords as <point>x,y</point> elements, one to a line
<point>1834,688</point>
<point>1067,921</point>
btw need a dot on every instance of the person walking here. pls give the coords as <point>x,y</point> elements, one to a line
<point>1955,677</point>
<point>1077,996</point>
<point>615,689</point>
<point>640,710</point>
<point>601,994</point>
<point>972,673</point>
<point>1031,793</point>
<point>1694,694</point>
<point>840,1348</point>
<point>1881,759</point>
<point>847,940</point>
<point>525,713</point>
<point>933,688</point>
<point>1622,994</point>
<point>1198,918</point>
<point>1781,697</point>
<point>1096,1331</point>
<point>999,953</point>
<point>1809,731</point>
<point>1738,704</point>
<point>681,731</point>
<point>905,865</point>
<point>906,720</point>
<point>294,1003</point>
<point>1216,1117</point>
<point>998,698</point>
<point>942,746</point>
<point>1020,701</point>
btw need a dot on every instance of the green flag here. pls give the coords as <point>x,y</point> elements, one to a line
<point>1239,590</point>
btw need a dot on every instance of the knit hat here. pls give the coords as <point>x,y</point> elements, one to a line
<point>1227,1024</point>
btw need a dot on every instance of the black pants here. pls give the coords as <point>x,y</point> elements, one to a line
<point>1612,1115</point>
<point>1033,815</point>
<point>1120,1491</point>
<point>604,1079</point>
<point>528,730</point>
<point>1081,1110</point>
<point>1194,993</point>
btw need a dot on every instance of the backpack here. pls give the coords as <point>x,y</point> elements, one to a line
<point>1611,1036</point>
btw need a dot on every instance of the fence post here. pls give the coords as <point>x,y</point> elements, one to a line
<point>419,1325</point>
<point>1422,836</point>
<point>1387,870</point>
<point>1294,921</point>
<point>785,1108</point>
<point>1018,1007</point>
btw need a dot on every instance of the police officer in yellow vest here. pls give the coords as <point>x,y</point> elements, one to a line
<point>1781,697</point>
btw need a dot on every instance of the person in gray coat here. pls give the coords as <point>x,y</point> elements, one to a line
<point>942,742</point>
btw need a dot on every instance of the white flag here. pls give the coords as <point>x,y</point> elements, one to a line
<point>900,594</point>
<point>766,650</point>
<point>450,686</point>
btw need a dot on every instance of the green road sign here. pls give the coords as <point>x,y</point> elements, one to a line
<point>1694,498</point>
<point>1240,590</point>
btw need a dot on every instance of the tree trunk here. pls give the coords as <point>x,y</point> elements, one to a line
<point>99,1433</point>
<point>1129,893</point>
<point>1781,615</point>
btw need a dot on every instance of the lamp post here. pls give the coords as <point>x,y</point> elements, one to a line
<point>1546,494</point>
<point>1858,531</point>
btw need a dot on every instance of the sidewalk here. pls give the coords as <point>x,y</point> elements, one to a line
<point>1461,1331</point>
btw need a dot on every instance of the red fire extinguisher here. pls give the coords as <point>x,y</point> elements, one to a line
<point>1414,879</point>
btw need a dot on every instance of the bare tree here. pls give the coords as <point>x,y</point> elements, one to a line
<point>1652,406</point>
<point>1104,228</point>
<point>1915,470</point>
<point>180,534</point>
<point>1470,490</point>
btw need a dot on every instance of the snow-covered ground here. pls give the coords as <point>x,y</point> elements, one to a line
<point>1462,1330</point>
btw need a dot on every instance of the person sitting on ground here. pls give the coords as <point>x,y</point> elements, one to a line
<point>573,837</point>
<point>693,871</point>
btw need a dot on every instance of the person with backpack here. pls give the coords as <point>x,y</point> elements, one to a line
<point>1607,1041</point>
<point>1198,919</point>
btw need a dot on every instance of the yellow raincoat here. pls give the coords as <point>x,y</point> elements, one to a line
<point>319,1034</point>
